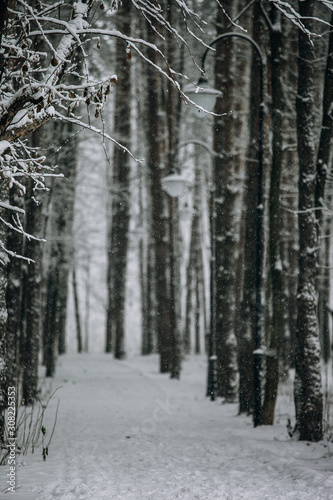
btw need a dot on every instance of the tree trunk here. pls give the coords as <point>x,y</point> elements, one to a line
<point>118,239</point>
<point>187,340</point>
<point>275,262</point>
<point>324,285</point>
<point>173,109</point>
<point>13,300</point>
<point>59,247</point>
<point>309,414</point>
<point>77,313</point>
<point>227,196</point>
<point>155,161</point>
<point>87,308</point>
<point>33,315</point>
<point>323,158</point>
<point>326,133</point>
<point>289,244</point>
<point>175,360</point>
<point>195,293</point>
<point>50,324</point>
<point>197,310</point>
<point>248,307</point>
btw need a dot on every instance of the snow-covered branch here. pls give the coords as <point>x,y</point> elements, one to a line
<point>96,130</point>
<point>296,18</point>
<point>38,49</point>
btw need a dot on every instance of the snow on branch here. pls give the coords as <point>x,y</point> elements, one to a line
<point>7,206</point>
<point>38,48</point>
<point>327,4</point>
<point>153,12</point>
<point>19,229</point>
<point>297,19</point>
<point>98,131</point>
<point>28,108</point>
<point>233,23</point>
<point>13,254</point>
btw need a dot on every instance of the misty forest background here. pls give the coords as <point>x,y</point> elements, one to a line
<point>124,267</point>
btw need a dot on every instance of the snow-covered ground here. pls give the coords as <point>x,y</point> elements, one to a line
<point>124,431</point>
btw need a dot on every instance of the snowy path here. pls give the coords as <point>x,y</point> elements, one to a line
<point>126,432</point>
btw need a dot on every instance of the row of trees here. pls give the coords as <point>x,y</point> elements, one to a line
<point>45,74</point>
<point>297,59</point>
<point>48,80</point>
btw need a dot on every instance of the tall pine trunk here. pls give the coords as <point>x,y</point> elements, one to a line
<point>275,262</point>
<point>13,300</point>
<point>173,107</point>
<point>32,278</point>
<point>289,246</point>
<point>323,158</point>
<point>77,312</point>
<point>59,250</point>
<point>118,231</point>
<point>308,393</point>
<point>248,307</point>
<point>155,132</point>
<point>229,77</point>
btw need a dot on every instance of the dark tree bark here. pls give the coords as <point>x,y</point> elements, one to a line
<point>187,340</point>
<point>155,132</point>
<point>50,323</point>
<point>309,400</point>
<point>147,276</point>
<point>229,78</point>
<point>59,248</point>
<point>324,289</point>
<point>87,307</point>
<point>326,132</point>
<point>173,108</point>
<point>248,307</point>
<point>13,300</point>
<point>118,233</point>
<point>197,344</point>
<point>274,242</point>
<point>146,345</point>
<point>174,284</point>
<point>77,313</point>
<point>32,286</point>
<point>289,244</point>
<point>323,159</point>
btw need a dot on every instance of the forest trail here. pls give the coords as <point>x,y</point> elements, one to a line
<point>126,432</point>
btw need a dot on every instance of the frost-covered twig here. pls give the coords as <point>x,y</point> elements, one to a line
<point>234,23</point>
<point>96,131</point>
<point>295,17</point>
<point>13,254</point>
<point>19,229</point>
<point>7,206</point>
